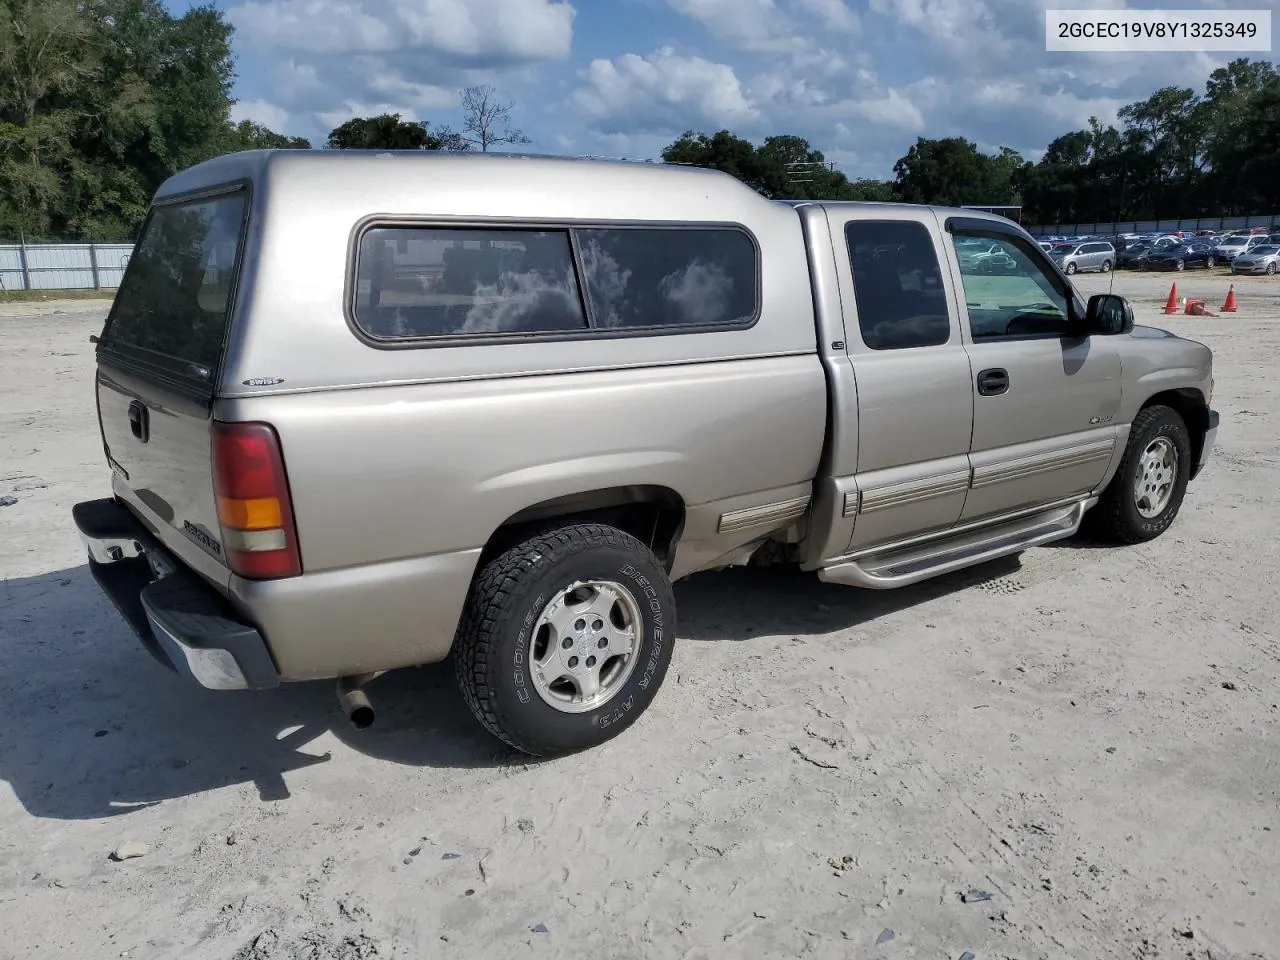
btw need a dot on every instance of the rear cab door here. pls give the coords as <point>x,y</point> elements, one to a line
<point>1046,399</point>
<point>159,358</point>
<point>914,392</point>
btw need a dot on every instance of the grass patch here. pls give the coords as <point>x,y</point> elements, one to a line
<point>37,296</point>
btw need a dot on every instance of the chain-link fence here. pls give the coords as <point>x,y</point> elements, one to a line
<point>63,266</point>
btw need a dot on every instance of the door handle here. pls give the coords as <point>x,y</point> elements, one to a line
<point>139,424</point>
<point>993,382</point>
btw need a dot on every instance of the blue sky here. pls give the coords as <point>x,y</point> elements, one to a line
<point>861,79</point>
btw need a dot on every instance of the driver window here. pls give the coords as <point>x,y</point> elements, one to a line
<point>1008,292</point>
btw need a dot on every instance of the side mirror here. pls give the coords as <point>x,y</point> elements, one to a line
<point>1108,315</point>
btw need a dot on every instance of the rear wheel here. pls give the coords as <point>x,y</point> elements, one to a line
<point>1210,263</point>
<point>566,639</point>
<point>1180,265</point>
<point>1106,266</point>
<point>1146,493</point>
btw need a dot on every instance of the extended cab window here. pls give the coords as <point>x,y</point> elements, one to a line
<point>171,312</point>
<point>415,282</point>
<point>668,277</point>
<point>1011,294</point>
<point>897,284</point>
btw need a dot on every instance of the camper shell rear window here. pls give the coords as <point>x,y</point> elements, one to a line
<point>172,311</point>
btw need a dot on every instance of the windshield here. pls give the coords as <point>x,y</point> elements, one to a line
<point>173,306</point>
<point>1266,250</point>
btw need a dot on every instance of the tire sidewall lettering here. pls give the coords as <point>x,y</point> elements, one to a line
<point>519,676</point>
<point>650,597</point>
<point>1155,526</point>
<point>654,617</point>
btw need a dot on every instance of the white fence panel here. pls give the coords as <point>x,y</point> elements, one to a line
<point>63,266</point>
<point>1270,222</point>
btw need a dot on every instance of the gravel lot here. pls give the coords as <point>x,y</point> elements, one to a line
<point>1088,736</point>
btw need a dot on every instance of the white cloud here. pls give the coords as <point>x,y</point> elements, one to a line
<point>384,81</point>
<point>891,110</point>
<point>833,15</point>
<point>350,109</point>
<point>294,79</point>
<point>489,31</point>
<point>260,111</point>
<point>860,80</point>
<point>665,90</point>
<point>755,25</point>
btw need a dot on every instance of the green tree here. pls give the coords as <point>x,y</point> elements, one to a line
<point>783,167</point>
<point>100,102</point>
<point>388,131</point>
<point>720,151</point>
<point>248,135</point>
<point>954,172</point>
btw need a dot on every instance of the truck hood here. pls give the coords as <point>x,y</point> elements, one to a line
<point>1151,333</point>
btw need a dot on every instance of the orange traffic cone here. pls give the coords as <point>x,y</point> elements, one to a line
<point>1171,305</point>
<point>1230,305</point>
<point>1196,308</point>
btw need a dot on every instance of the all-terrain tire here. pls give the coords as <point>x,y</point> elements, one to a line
<point>1116,518</point>
<point>494,644</point>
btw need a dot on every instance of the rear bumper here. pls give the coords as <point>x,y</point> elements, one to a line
<point>182,621</point>
<point>1206,448</point>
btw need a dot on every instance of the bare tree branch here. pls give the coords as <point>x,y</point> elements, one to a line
<point>487,118</point>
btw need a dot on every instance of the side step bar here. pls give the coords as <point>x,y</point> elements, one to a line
<point>901,566</point>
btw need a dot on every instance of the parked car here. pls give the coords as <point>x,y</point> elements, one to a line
<point>1264,258</point>
<point>1092,255</point>
<point>367,410</point>
<point>983,256</point>
<point>1134,256</point>
<point>1182,256</point>
<point>1228,249</point>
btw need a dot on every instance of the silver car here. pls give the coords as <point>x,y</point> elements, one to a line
<point>1229,248</point>
<point>1083,257</point>
<point>1264,258</point>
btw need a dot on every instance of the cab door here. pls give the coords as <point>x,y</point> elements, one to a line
<point>1045,399</point>
<point>914,388</point>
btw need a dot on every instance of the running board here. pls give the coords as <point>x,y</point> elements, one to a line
<point>901,566</point>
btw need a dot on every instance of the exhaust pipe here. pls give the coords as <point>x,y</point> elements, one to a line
<point>354,701</point>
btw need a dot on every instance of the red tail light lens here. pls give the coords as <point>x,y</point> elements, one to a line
<point>255,510</point>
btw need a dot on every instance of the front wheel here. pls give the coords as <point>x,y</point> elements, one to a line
<point>1146,493</point>
<point>1071,268</point>
<point>1180,265</point>
<point>1271,269</point>
<point>1210,263</point>
<point>565,639</point>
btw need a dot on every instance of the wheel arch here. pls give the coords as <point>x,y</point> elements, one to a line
<point>1190,404</point>
<point>652,513</point>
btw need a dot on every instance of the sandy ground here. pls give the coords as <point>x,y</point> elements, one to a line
<point>1088,736</point>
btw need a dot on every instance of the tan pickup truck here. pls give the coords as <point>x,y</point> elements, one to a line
<point>369,410</point>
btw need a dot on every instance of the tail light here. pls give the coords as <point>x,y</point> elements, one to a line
<point>254,507</point>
